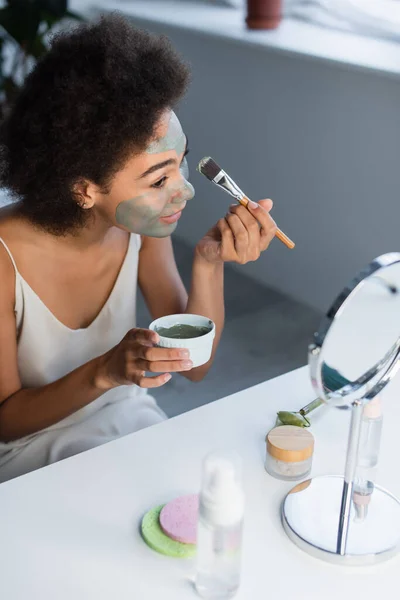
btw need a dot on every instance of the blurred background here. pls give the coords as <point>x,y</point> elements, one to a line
<point>307,114</point>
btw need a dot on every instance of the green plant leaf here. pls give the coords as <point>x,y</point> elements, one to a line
<point>20,21</point>
<point>56,8</point>
<point>49,18</point>
<point>37,47</point>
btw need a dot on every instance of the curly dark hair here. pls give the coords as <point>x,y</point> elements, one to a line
<point>90,102</point>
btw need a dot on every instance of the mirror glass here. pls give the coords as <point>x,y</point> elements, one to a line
<point>359,337</point>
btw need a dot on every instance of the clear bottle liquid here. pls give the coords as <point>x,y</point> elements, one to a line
<point>370,437</point>
<point>220,526</point>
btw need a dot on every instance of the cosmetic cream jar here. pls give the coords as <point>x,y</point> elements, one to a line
<point>289,452</point>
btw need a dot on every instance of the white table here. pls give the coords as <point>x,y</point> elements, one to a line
<point>71,531</point>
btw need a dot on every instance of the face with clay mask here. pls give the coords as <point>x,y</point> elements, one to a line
<point>150,192</point>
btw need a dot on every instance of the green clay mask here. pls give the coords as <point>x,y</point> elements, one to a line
<point>143,214</point>
<point>184,169</point>
<point>174,139</point>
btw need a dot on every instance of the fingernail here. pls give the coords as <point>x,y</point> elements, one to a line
<point>167,377</point>
<point>187,364</point>
<point>252,204</point>
<point>184,354</point>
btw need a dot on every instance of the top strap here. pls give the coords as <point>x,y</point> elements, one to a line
<point>9,254</point>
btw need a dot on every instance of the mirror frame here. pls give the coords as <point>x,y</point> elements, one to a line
<point>377,377</point>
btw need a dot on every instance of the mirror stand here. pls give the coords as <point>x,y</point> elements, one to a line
<point>356,353</point>
<point>343,519</point>
<point>326,517</point>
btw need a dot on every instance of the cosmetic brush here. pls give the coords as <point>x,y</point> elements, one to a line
<point>209,168</point>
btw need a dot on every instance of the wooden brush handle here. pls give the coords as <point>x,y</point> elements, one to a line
<point>279,233</point>
<point>284,239</point>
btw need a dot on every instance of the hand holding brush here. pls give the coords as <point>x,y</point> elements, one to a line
<point>241,236</point>
<point>209,168</point>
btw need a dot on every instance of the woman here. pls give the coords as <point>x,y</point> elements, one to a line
<point>95,157</point>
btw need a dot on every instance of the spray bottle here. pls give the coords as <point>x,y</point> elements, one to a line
<point>219,539</point>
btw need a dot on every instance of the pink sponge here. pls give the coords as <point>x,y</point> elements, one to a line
<point>178,519</point>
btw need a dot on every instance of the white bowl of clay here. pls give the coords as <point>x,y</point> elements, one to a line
<point>194,332</point>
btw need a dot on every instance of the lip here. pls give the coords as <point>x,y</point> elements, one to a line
<point>172,218</point>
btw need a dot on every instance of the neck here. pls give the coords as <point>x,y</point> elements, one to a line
<point>93,235</point>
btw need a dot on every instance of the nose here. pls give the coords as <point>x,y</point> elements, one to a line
<point>183,194</point>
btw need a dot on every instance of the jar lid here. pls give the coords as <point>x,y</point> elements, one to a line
<point>290,443</point>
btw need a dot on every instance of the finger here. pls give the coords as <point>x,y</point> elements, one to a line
<point>267,235</point>
<point>152,382</point>
<point>268,226</point>
<point>253,230</point>
<point>142,336</point>
<point>163,366</point>
<point>240,235</point>
<point>227,244</point>
<point>267,204</point>
<point>160,354</point>
<point>247,218</point>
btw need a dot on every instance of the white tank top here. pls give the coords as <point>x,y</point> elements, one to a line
<point>48,349</point>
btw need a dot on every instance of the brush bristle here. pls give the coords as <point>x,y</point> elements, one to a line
<point>208,167</point>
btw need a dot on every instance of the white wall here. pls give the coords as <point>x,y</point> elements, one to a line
<point>322,141</point>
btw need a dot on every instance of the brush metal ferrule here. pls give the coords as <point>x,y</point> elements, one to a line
<point>225,182</point>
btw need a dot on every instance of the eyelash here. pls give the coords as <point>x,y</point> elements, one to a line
<point>160,183</point>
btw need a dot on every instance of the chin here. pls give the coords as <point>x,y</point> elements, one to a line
<point>162,231</point>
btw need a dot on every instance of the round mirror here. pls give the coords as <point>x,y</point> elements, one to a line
<point>355,354</point>
<point>357,346</point>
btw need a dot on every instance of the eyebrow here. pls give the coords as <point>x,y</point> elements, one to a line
<point>161,165</point>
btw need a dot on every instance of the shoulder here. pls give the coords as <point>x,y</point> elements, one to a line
<point>7,277</point>
<point>12,233</point>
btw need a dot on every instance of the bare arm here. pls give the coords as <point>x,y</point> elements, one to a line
<point>165,294</point>
<point>29,410</point>
<point>239,237</point>
<point>26,411</point>
<point>206,297</point>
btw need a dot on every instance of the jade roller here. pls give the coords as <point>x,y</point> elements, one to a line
<point>333,380</point>
<point>298,419</point>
